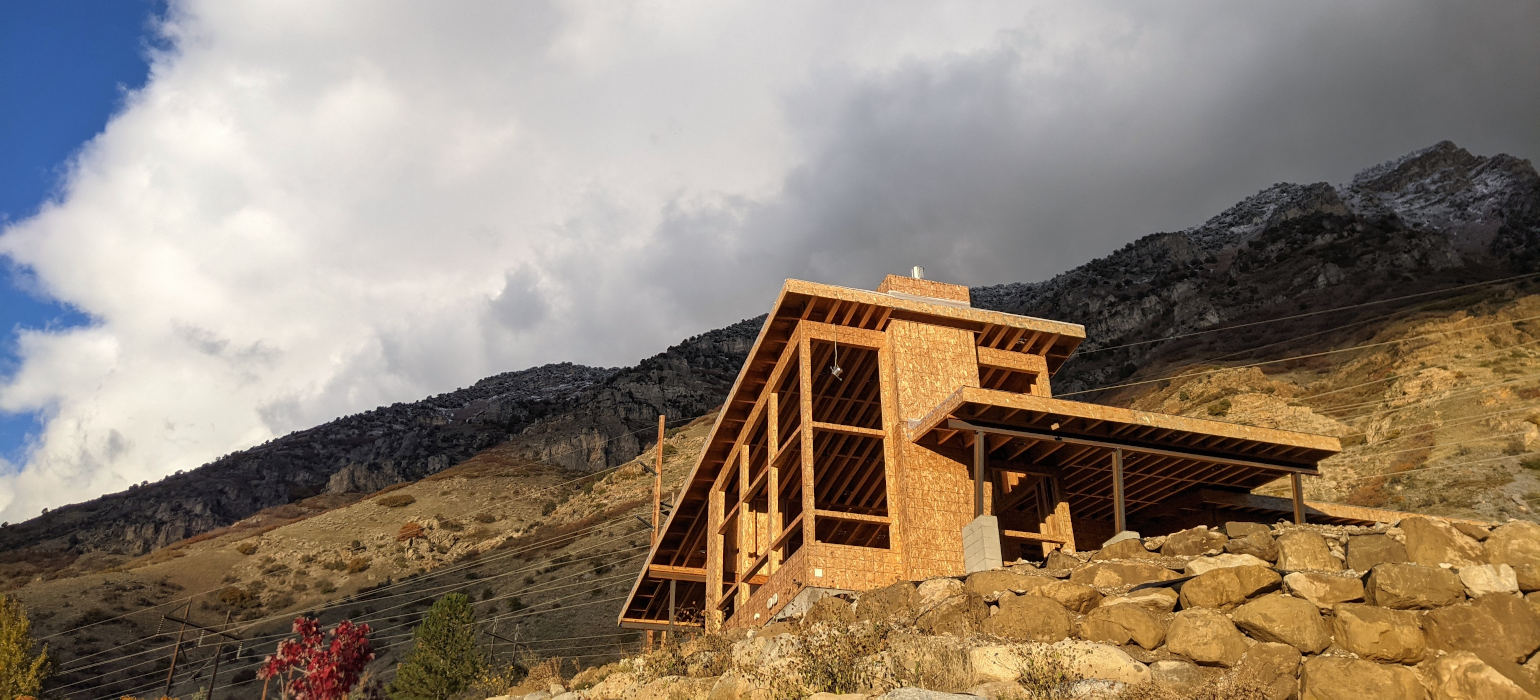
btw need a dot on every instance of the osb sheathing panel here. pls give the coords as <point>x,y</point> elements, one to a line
<point>852,568</point>
<point>929,364</point>
<point>781,587</point>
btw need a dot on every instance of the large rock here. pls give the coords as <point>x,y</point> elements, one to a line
<point>1286,620</point>
<point>1205,636</point>
<point>1364,552</point>
<point>1496,628</point>
<point>1193,541</point>
<point>1073,596</point>
<point>1270,668</point>
<point>1303,550</point>
<point>1124,549</point>
<point>1181,679</point>
<point>1088,660</point>
<point>1380,634</point>
<point>1325,590</point>
<point>1155,599</point>
<point>1409,586</point>
<point>672,687</point>
<point>991,584</point>
<point>1228,587</point>
<point>1257,544</point>
<point>1432,542</point>
<point>1517,544</point>
<point>1203,565</point>
<point>960,615</point>
<point>1236,529</point>
<point>896,602</point>
<point>1120,624</point>
<point>1029,618</point>
<point>933,591</point>
<point>829,610</point>
<point>1464,676</point>
<point>995,662</point>
<point>1483,579</point>
<point>1117,574</point>
<point>1343,678</point>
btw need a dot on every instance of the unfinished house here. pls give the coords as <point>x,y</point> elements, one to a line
<point>902,434</point>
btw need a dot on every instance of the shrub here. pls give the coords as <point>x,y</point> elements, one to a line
<point>358,564</point>
<point>325,585</point>
<point>486,518</point>
<point>1219,408</point>
<point>317,668</point>
<point>22,670</point>
<point>548,508</point>
<point>247,548</point>
<point>408,531</point>
<point>396,500</point>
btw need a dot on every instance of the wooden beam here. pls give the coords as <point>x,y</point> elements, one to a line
<point>978,473</point>
<point>1299,499</point>
<point>1131,446</point>
<point>1119,515</point>
<point>853,517</point>
<point>639,623</point>
<point>677,573</point>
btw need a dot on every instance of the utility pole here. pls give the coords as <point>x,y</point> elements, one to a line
<point>176,648</point>
<point>218,650</point>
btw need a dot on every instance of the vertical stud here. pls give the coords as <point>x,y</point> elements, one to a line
<point>1119,514</point>
<point>1299,499</point>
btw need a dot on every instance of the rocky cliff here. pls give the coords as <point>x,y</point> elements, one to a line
<point>1433,219</point>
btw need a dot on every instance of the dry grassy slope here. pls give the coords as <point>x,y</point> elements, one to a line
<point>1450,401</point>
<point>525,540</point>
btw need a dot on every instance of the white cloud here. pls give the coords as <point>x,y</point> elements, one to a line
<point>313,209</point>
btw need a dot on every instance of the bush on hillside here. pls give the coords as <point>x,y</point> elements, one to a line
<point>396,500</point>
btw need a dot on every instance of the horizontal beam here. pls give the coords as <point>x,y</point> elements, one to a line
<point>1131,446</point>
<point>676,573</point>
<point>853,517</point>
<point>850,429</point>
<point>1032,536</point>
<point>637,623</point>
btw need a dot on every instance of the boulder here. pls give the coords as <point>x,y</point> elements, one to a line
<point>1257,544</point>
<point>1516,544</point>
<point>1364,552</point>
<point>1159,599</point>
<point>1205,636</point>
<point>829,610</point>
<point>1305,550</point>
<point>1124,536</point>
<point>933,591</point>
<point>1519,623</point>
<point>1235,529</point>
<point>1476,532</point>
<point>1124,549</point>
<point>1343,678</point>
<point>1380,634</point>
<point>1120,624</point>
<point>991,584</point>
<point>1029,619</point>
<point>1203,565</point>
<point>1432,542</point>
<point>895,602</point>
<point>1227,587</point>
<point>671,687</point>
<point>1325,590</point>
<point>1083,660</point>
<point>731,686</point>
<point>1464,676</point>
<point>1179,678</point>
<point>1193,541</point>
<point>1061,561</point>
<point>1412,586</point>
<point>1116,574</point>
<point>960,615</point>
<point>1500,629</point>
<point>1286,620</point>
<point>1483,579</point>
<point>1073,596</point>
<point>995,662</point>
<point>921,694</point>
<point>1270,668</point>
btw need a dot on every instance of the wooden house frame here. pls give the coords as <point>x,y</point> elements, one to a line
<point>868,430</point>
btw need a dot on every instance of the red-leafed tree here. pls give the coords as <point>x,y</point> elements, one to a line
<point>319,665</point>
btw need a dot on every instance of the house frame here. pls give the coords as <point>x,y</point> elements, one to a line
<point>901,434</point>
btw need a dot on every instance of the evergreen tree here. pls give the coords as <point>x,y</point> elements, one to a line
<point>444,659</point>
<point>21,670</point>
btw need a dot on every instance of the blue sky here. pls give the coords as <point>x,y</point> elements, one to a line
<point>64,67</point>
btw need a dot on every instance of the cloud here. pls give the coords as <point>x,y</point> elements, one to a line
<point>313,210</point>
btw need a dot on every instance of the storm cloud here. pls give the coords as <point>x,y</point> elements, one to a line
<point>310,210</point>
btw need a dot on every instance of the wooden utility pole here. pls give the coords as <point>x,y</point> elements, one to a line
<point>177,647</point>
<point>218,650</point>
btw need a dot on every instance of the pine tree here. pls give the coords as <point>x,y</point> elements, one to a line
<point>21,671</point>
<point>444,659</point>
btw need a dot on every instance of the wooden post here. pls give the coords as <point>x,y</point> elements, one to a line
<point>773,478</point>
<point>978,474</point>
<point>657,502</point>
<point>713,619</point>
<point>178,647</point>
<point>1119,516</point>
<point>805,370</point>
<point>219,649</point>
<point>1299,499</point>
<point>671,584</point>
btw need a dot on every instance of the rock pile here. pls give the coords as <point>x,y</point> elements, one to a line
<point>1424,609</point>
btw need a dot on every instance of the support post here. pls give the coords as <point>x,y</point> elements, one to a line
<point>978,474</point>
<point>1299,499</point>
<point>178,647</point>
<point>1119,515</point>
<point>219,650</point>
<point>671,586</point>
<point>657,502</point>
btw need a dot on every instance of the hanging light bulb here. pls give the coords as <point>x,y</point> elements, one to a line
<point>834,369</point>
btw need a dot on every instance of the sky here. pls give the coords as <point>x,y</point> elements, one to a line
<point>222,221</point>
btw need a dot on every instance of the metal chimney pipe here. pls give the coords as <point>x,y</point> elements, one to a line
<point>917,272</point>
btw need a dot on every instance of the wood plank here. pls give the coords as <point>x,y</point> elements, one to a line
<point>677,573</point>
<point>853,517</point>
